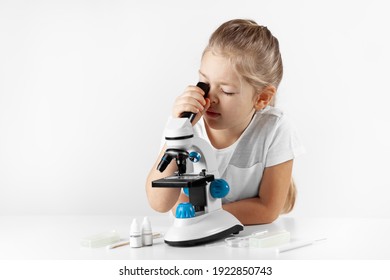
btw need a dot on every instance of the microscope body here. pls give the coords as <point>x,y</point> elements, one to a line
<point>202,219</point>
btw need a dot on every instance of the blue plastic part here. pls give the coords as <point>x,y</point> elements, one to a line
<point>185,210</point>
<point>219,188</point>
<point>194,156</point>
<point>186,191</point>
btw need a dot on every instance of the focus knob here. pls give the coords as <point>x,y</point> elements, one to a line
<point>219,188</point>
<point>194,157</point>
<point>185,210</point>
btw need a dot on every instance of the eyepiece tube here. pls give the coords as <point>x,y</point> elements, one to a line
<point>206,88</point>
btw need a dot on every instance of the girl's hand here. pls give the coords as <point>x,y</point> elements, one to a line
<point>191,100</point>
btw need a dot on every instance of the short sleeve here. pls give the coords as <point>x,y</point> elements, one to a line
<point>285,143</point>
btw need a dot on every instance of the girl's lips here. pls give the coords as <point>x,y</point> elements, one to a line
<point>212,114</point>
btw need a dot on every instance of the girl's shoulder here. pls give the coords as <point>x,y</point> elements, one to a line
<point>269,117</point>
<point>270,111</point>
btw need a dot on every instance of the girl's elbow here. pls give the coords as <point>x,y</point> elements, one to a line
<point>159,207</point>
<point>270,216</point>
<point>265,217</point>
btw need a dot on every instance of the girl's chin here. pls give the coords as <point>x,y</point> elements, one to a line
<point>213,123</point>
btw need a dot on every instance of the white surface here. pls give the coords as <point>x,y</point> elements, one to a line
<point>58,237</point>
<point>86,88</point>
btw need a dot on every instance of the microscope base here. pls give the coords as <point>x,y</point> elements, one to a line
<point>202,229</point>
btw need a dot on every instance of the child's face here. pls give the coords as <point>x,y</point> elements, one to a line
<point>232,100</point>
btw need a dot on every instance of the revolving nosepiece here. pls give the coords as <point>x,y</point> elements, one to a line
<point>179,155</point>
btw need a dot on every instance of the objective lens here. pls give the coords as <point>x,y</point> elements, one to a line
<point>181,165</point>
<point>165,161</point>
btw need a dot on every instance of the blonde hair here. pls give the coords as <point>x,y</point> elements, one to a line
<point>252,50</point>
<point>291,197</point>
<point>254,53</point>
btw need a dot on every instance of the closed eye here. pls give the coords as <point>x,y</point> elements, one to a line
<point>227,93</point>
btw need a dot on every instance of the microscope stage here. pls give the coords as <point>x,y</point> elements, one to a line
<point>183,181</point>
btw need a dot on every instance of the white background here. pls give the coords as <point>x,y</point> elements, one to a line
<point>86,88</point>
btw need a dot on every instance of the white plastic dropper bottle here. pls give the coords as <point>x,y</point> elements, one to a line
<point>147,236</point>
<point>135,235</point>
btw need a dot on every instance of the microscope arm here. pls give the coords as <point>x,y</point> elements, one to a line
<point>207,162</point>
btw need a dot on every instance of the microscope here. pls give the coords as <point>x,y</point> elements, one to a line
<point>202,219</point>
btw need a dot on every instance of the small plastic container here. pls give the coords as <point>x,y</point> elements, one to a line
<point>101,239</point>
<point>269,239</point>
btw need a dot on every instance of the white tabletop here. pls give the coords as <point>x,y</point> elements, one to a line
<point>59,237</point>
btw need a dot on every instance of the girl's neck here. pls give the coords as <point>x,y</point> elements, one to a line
<point>223,138</point>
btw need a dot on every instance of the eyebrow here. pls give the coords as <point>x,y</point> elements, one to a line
<point>220,82</point>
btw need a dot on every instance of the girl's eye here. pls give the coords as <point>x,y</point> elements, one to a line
<point>227,93</point>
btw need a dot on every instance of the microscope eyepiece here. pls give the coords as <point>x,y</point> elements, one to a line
<point>206,88</point>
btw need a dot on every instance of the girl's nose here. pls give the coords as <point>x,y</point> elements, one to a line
<point>213,95</point>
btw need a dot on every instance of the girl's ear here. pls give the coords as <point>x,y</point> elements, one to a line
<point>264,98</point>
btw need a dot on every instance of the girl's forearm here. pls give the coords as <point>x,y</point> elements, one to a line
<point>252,211</point>
<point>161,199</point>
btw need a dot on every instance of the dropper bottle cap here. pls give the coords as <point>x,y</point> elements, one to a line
<point>135,228</point>
<point>147,237</point>
<point>135,235</point>
<point>146,225</point>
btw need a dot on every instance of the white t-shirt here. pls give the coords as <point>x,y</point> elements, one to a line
<point>269,139</point>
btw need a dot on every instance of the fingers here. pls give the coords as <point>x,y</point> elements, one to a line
<point>198,116</point>
<point>206,106</point>
<point>191,100</point>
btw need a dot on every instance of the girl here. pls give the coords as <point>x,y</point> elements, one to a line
<point>254,143</point>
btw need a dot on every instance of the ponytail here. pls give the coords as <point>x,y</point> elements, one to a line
<point>290,199</point>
